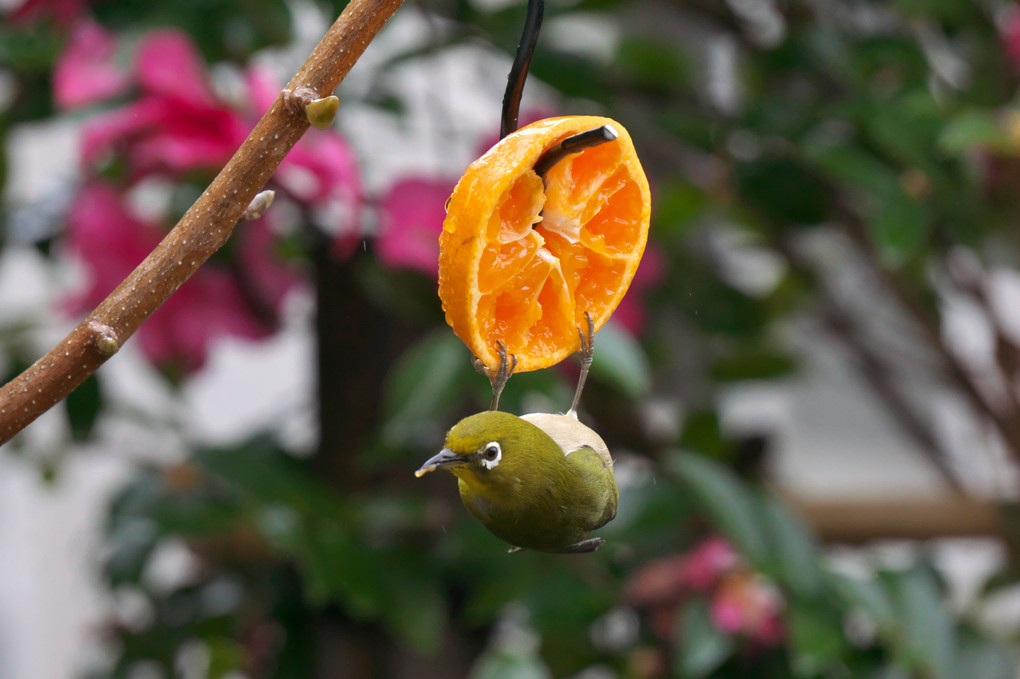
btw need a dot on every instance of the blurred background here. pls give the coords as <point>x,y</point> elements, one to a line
<point>811,388</point>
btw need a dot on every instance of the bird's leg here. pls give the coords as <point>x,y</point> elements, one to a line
<point>587,353</point>
<point>499,377</point>
<point>583,547</point>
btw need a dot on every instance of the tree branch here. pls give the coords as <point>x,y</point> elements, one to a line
<point>874,368</point>
<point>1004,416</point>
<point>200,232</point>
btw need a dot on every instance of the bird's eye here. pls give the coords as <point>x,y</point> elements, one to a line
<point>491,455</point>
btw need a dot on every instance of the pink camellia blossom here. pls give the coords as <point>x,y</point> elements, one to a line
<point>631,311</point>
<point>177,125</point>
<point>266,276</point>
<point>111,242</point>
<point>704,565</point>
<point>661,581</point>
<point>411,219</point>
<point>1010,33</point>
<point>61,12</point>
<point>85,72</point>
<point>671,577</point>
<point>741,602</point>
<point>167,64</point>
<point>746,604</point>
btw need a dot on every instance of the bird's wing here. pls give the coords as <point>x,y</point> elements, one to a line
<point>568,432</point>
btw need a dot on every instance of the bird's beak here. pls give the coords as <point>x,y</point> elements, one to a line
<point>444,458</point>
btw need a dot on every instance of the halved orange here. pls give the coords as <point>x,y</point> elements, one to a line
<point>522,260</point>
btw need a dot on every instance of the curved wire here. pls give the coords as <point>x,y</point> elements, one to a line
<point>573,144</point>
<point>519,70</point>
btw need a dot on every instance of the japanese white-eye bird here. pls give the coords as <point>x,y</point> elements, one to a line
<point>541,481</point>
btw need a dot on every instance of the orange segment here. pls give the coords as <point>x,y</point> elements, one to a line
<point>522,260</point>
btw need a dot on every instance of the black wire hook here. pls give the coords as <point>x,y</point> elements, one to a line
<point>519,70</point>
<point>515,89</point>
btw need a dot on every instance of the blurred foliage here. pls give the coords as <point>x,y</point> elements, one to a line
<point>883,132</point>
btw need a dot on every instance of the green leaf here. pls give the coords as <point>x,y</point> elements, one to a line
<point>867,595</point>
<point>651,63</point>
<point>900,228</point>
<point>816,644</point>
<point>261,471</point>
<point>784,191</point>
<point>854,166</point>
<point>906,127</point>
<point>728,502</point>
<point>499,665</point>
<point>986,659</point>
<point>752,364</point>
<point>83,407</point>
<point>930,635</point>
<point>621,361</point>
<point>417,612</point>
<point>970,130</point>
<point>702,432</point>
<point>795,549</point>
<point>424,382</point>
<point>701,646</point>
<point>336,568</point>
<point>225,657</point>
<point>677,205</point>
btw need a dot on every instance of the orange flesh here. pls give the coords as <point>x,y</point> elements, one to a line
<point>522,260</point>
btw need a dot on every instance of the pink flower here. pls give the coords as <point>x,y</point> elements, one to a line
<point>703,566</point>
<point>652,270</point>
<point>740,600</point>
<point>1010,31</point>
<point>411,220</point>
<point>668,579</point>
<point>745,604</point>
<point>85,72</point>
<point>177,125</point>
<point>111,241</point>
<point>266,277</point>
<point>660,582</point>
<point>168,65</point>
<point>61,12</point>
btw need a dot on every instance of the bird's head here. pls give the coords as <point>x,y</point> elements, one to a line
<point>493,448</point>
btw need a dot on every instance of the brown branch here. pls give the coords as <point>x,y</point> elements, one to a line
<point>874,368</point>
<point>1005,416</point>
<point>200,232</point>
<point>901,518</point>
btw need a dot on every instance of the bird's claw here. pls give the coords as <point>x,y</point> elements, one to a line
<point>587,354</point>
<point>587,340</point>
<point>583,547</point>
<point>501,375</point>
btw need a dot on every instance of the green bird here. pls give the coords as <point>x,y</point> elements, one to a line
<point>541,481</point>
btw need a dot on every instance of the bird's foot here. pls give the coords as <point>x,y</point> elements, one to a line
<point>500,376</point>
<point>587,354</point>
<point>583,547</point>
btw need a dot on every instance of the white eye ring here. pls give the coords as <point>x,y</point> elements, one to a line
<point>491,454</point>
